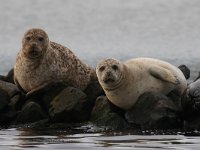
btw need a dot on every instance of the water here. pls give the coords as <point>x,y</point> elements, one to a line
<point>26,138</point>
<point>166,29</point>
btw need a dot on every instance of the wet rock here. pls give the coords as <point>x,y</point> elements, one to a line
<point>4,99</point>
<point>31,112</point>
<point>10,88</point>
<point>70,105</point>
<point>155,111</point>
<point>106,114</point>
<point>185,70</point>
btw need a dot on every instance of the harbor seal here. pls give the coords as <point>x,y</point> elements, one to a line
<point>41,61</point>
<point>124,83</point>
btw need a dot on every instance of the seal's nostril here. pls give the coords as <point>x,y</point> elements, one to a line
<point>108,74</point>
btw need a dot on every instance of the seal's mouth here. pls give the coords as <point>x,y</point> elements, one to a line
<point>34,53</point>
<point>109,81</point>
<point>112,83</point>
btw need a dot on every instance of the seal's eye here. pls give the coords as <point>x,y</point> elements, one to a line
<point>102,68</point>
<point>114,67</point>
<point>28,38</point>
<point>40,39</point>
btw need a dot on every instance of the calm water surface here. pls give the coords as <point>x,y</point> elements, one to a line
<point>26,138</point>
<point>166,29</point>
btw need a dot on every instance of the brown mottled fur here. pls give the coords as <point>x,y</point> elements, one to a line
<point>49,62</point>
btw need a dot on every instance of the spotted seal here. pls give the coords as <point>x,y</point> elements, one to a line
<point>41,61</point>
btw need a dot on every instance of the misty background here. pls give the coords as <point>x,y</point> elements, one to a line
<point>93,30</point>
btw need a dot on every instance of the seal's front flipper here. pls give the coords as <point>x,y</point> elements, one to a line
<point>19,86</point>
<point>45,87</point>
<point>39,90</point>
<point>163,74</point>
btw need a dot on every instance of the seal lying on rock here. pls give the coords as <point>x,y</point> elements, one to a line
<point>123,83</point>
<point>41,61</point>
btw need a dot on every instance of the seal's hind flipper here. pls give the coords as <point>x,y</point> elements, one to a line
<point>185,70</point>
<point>163,74</point>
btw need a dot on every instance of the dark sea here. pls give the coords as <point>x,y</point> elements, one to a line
<point>94,30</point>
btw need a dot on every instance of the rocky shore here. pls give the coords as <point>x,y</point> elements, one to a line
<point>60,103</point>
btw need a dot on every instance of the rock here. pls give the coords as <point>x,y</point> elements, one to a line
<point>9,77</point>
<point>192,123</point>
<point>191,105</point>
<point>191,99</point>
<point>185,70</point>
<point>194,93</point>
<point>10,88</point>
<point>4,99</point>
<point>70,105</point>
<point>93,90</point>
<point>2,78</point>
<point>155,111</point>
<point>45,95</point>
<point>31,112</point>
<point>188,105</point>
<point>40,125</point>
<point>49,92</point>
<point>106,114</point>
<point>7,116</point>
<point>17,102</point>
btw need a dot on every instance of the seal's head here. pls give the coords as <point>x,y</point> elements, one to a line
<point>35,43</point>
<point>109,73</point>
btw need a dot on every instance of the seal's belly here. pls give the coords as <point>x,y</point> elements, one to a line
<point>29,83</point>
<point>127,97</point>
<point>155,85</point>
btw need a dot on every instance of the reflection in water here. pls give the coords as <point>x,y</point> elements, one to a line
<point>25,138</point>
